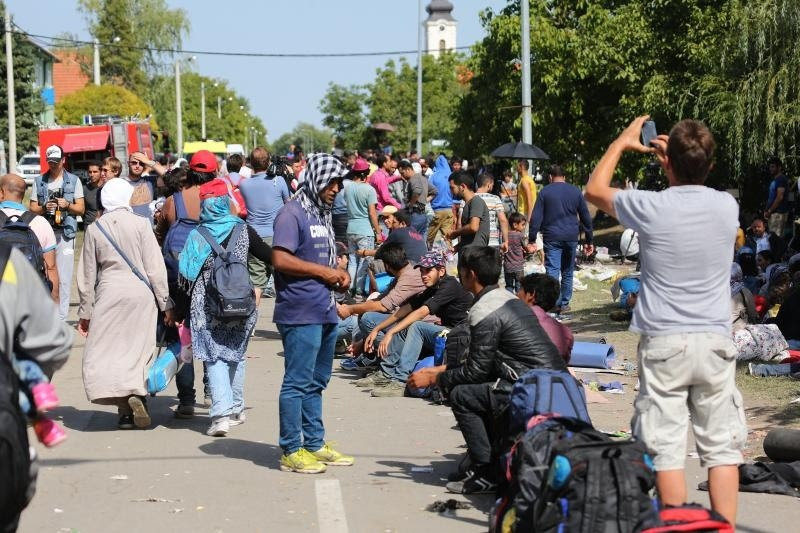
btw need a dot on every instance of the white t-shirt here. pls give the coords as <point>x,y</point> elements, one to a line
<point>686,238</point>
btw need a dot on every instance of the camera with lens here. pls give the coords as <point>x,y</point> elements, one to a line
<point>55,215</point>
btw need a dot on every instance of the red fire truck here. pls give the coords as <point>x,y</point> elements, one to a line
<point>103,137</point>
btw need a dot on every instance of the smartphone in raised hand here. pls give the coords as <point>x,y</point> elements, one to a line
<point>648,132</point>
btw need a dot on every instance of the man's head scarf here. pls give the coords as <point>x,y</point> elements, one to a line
<point>320,171</point>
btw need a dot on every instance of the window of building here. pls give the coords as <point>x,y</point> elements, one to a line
<point>442,45</point>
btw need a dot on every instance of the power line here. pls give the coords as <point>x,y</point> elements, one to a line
<point>20,31</point>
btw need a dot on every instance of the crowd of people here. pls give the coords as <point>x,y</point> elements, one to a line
<point>358,252</point>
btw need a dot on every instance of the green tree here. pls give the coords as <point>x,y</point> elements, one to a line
<point>304,136</point>
<point>344,111</point>
<point>28,100</point>
<point>235,124</point>
<point>102,100</point>
<point>131,31</point>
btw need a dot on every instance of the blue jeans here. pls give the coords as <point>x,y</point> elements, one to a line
<point>30,375</point>
<point>307,363</point>
<point>357,266</point>
<point>559,262</point>
<point>406,347</point>
<point>347,328</point>
<point>367,323</point>
<point>419,221</point>
<point>226,380</point>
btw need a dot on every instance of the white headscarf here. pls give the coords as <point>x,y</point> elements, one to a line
<point>116,194</point>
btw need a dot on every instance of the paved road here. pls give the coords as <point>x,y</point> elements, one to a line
<point>174,478</point>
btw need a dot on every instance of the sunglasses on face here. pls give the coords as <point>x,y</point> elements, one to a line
<point>134,164</point>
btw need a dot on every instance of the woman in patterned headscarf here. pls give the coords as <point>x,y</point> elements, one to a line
<point>304,258</point>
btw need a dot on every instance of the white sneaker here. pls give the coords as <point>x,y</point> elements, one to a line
<point>237,419</point>
<point>219,427</point>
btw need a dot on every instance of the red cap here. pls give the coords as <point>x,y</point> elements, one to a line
<point>213,188</point>
<point>203,161</point>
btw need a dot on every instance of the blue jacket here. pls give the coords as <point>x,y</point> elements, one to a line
<point>441,180</point>
<point>556,213</point>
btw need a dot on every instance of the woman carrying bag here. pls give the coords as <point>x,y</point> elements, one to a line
<point>122,284</point>
<point>219,341</point>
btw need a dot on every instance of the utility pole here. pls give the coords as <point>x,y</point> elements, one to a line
<point>219,107</point>
<point>419,78</point>
<point>12,112</point>
<point>178,107</point>
<point>96,62</point>
<point>203,110</point>
<point>527,133</point>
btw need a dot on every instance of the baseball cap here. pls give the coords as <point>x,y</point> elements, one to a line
<point>203,161</point>
<point>388,210</point>
<point>54,153</point>
<point>431,259</point>
<point>212,189</point>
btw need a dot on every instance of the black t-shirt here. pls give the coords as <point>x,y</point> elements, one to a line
<point>448,300</point>
<point>475,208</point>
<point>91,199</point>
<point>411,241</point>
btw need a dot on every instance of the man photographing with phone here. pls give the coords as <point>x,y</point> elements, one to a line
<point>687,360</point>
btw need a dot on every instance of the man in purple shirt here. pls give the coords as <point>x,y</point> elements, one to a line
<point>304,258</point>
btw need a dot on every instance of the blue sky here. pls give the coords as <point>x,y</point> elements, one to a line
<point>282,92</point>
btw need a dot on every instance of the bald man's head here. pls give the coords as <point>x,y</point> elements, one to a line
<point>13,187</point>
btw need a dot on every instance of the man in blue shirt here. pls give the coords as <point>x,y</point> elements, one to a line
<point>306,273</point>
<point>777,204</point>
<point>263,196</point>
<point>556,214</point>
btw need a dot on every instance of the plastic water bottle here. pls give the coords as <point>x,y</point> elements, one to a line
<point>559,472</point>
<point>438,348</point>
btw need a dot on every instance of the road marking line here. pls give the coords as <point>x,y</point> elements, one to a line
<point>330,509</point>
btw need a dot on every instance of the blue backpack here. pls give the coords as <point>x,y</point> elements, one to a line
<point>229,293</point>
<point>540,391</point>
<point>176,237</point>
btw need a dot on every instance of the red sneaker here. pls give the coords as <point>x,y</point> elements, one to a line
<point>48,432</point>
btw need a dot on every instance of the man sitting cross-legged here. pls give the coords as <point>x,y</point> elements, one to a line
<point>506,340</point>
<point>407,335</point>
<point>407,283</point>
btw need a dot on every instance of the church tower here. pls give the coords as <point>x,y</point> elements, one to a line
<point>440,28</point>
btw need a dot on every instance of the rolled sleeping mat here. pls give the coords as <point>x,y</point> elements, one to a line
<point>782,444</point>
<point>596,340</point>
<point>592,355</point>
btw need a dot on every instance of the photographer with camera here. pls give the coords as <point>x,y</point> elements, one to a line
<point>57,195</point>
<point>264,194</point>
<point>687,359</point>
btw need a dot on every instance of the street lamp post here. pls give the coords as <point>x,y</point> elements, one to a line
<point>203,110</point>
<point>96,62</point>
<point>527,132</point>
<point>179,105</point>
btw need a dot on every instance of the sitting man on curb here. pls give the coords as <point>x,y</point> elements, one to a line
<point>541,292</point>
<point>506,340</point>
<point>687,359</point>
<point>408,334</point>
<point>407,283</point>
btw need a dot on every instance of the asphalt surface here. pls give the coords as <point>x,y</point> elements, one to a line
<point>172,477</point>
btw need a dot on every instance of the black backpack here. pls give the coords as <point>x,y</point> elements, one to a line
<point>229,292</point>
<point>16,232</point>
<point>15,459</point>
<point>532,501</point>
<point>597,486</point>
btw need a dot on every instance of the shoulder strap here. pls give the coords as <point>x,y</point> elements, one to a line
<point>210,240</point>
<point>237,230</point>
<point>125,257</point>
<point>27,217</point>
<point>180,206</point>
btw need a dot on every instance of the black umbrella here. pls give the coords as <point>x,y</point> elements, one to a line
<point>519,150</point>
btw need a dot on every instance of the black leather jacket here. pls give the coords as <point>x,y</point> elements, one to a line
<point>506,340</point>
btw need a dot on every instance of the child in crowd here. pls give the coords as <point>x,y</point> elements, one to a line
<point>514,258</point>
<point>508,191</point>
<point>36,396</point>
